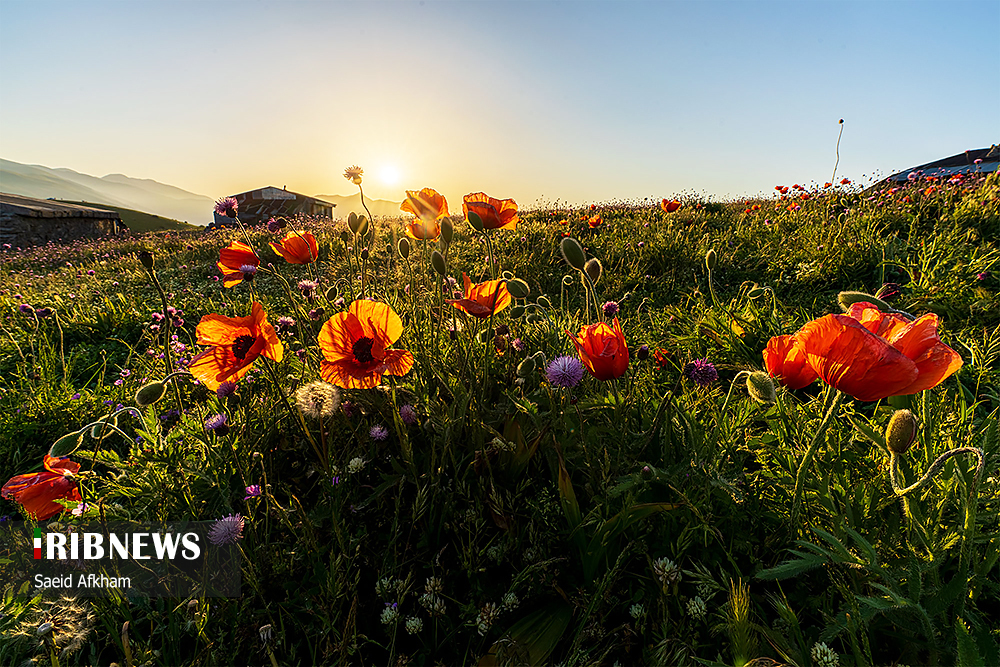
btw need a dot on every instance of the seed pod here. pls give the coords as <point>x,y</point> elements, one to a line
<point>711,260</point>
<point>518,288</point>
<point>437,261</point>
<point>573,253</point>
<point>760,386</point>
<point>150,393</point>
<point>67,444</point>
<point>543,301</point>
<point>403,247</point>
<point>526,368</point>
<point>848,299</point>
<point>447,231</point>
<point>901,431</point>
<point>594,269</point>
<point>475,221</point>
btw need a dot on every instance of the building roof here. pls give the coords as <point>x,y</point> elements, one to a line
<point>49,208</point>
<point>271,192</point>
<point>989,160</point>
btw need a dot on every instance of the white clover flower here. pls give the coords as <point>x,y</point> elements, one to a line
<point>384,586</point>
<point>433,586</point>
<point>487,615</point>
<point>414,625</point>
<point>509,602</point>
<point>636,611</point>
<point>696,608</point>
<point>705,589</point>
<point>495,552</point>
<point>666,571</point>
<point>433,604</point>
<point>390,614</point>
<point>355,465</point>
<point>824,656</point>
<point>530,555</point>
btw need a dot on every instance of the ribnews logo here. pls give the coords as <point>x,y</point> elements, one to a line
<point>169,559</point>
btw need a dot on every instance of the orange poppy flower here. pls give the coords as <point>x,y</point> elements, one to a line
<point>37,492</point>
<point>236,342</point>
<point>427,204</point>
<point>298,247</point>
<point>595,221</point>
<point>482,299</point>
<point>495,213</point>
<point>670,206</point>
<point>602,349</point>
<point>355,346</point>
<point>866,353</point>
<point>232,259</point>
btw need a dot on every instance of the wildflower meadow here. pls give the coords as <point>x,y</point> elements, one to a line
<point>659,432</point>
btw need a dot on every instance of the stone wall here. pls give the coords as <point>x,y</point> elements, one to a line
<point>25,231</point>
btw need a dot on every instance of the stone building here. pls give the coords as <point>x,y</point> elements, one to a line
<point>257,206</point>
<point>25,221</point>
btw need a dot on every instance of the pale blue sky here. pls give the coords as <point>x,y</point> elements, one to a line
<point>577,101</point>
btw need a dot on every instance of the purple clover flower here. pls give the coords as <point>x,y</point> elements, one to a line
<point>379,433</point>
<point>226,530</point>
<point>252,491</point>
<point>227,206</point>
<point>701,371</point>
<point>564,372</point>
<point>408,415</point>
<point>610,308</point>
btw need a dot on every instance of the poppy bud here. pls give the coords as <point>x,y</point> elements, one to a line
<point>711,259</point>
<point>573,253</point>
<point>353,222</point>
<point>518,288</point>
<point>593,269</point>
<point>67,444</point>
<point>756,293</point>
<point>437,261</point>
<point>506,275</point>
<point>404,247</point>
<point>103,429</point>
<point>475,221</point>
<point>345,237</point>
<point>516,311</point>
<point>526,368</point>
<point>388,249</point>
<point>847,299</point>
<point>365,254</point>
<point>642,353</point>
<point>447,231</point>
<point>539,358</point>
<point>761,388</point>
<point>331,294</point>
<point>567,281</point>
<point>146,259</point>
<point>150,393</point>
<point>901,431</point>
<point>544,302</point>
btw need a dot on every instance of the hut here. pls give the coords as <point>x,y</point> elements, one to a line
<point>258,206</point>
<point>25,221</point>
<point>979,161</point>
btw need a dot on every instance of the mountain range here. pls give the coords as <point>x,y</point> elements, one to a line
<point>143,194</point>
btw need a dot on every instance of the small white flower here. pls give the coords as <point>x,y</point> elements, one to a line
<point>433,586</point>
<point>666,571</point>
<point>487,615</point>
<point>696,608</point>
<point>824,656</point>
<point>390,614</point>
<point>355,465</point>
<point>636,611</point>
<point>414,625</point>
<point>509,602</point>
<point>384,586</point>
<point>433,604</point>
<point>495,552</point>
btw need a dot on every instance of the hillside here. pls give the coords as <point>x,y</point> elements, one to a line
<point>139,222</point>
<point>378,207</point>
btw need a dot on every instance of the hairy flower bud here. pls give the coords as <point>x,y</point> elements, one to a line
<point>447,231</point>
<point>518,288</point>
<point>711,260</point>
<point>67,444</point>
<point>544,302</point>
<point>901,431</point>
<point>760,386</point>
<point>331,294</point>
<point>573,253</point>
<point>150,393</point>
<point>146,259</point>
<point>593,269</point>
<point>475,221</point>
<point>437,261</point>
<point>403,247</point>
<point>526,368</point>
<point>847,299</point>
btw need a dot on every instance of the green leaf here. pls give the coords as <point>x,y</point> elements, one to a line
<point>793,568</point>
<point>531,640</point>
<point>968,653</point>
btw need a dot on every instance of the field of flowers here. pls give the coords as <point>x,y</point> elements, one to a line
<point>673,432</point>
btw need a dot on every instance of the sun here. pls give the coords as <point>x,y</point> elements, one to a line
<point>389,174</point>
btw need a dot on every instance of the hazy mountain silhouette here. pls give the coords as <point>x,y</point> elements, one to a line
<point>378,207</point>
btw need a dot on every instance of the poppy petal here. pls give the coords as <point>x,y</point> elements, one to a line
<point>787,362</point>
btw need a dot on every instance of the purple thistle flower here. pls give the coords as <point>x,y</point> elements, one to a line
<point>217,424</point>
<point>226,389</point>
<point>226,530</point>
<point>517,344</point>
<point>564,371</point>
<point>983,276</point>
<point>316,314</point>
<point>379,433</point>
<point>252,491</point>
<point>701,371</point>
<point>227,206</point>
<point>284,323</point>
<point>610,308</point>
<point>408,415</point>
<point>26,309</point>
<point>248,271</point>
<point>275,225</point>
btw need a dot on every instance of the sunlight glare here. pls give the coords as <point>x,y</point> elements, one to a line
<point>389,175</point>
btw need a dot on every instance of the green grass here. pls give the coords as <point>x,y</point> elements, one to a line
<point>646,520</point>
<point>139,222</point>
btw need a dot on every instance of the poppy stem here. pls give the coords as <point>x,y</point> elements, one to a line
<point>292,413</point>
<point>811,450</point>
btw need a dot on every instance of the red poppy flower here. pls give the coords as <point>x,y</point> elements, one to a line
<point>827,185</point>
<point>482,299</point>
<point>495,213</point>
<point>595,221</point>
<point>236,342</point>
<point>866,353</point>
<point>298,247</point>
<point>429,206</point>
<point>37,492</point>
<point>355,346</point>
<point>232,259</point>
<point>845,181</point>
<point>670,206</point>
<point>662,358</point>
<point>602,349</point>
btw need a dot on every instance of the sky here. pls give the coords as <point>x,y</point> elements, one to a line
<point>572,102</point>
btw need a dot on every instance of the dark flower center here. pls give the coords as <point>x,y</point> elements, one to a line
<point>242,345</point>
<point>363,350</point>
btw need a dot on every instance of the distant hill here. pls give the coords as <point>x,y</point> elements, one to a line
<point>139,222</point>
<point>136,194</point>
<point>378,207</point>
